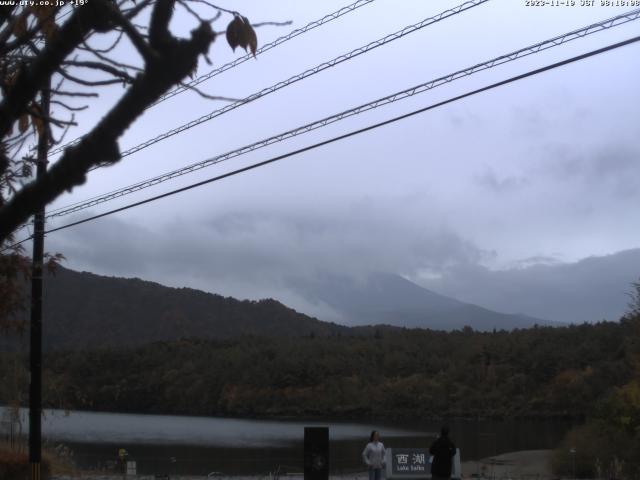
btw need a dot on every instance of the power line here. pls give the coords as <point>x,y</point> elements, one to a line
<point>357,132</point>
<point>426,86</point>
<point>310,26</point>
<point>306,74</point>
<point>394,36</point>
<point>342,137</point>
<point>227,66</point>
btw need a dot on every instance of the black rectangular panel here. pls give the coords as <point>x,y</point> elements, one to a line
<point>316,453</point>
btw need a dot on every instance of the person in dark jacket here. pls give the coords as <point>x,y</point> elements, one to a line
<point>443,451</point>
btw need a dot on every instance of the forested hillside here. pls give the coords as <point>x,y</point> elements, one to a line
<point>538,372</point>
<point>83,310</point>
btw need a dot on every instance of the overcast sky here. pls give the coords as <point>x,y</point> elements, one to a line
<point>545,170</point>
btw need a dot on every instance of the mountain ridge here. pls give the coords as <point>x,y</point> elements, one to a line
<point>87,310</point>
<point>387,298</point>
<point>587,290</point>
<point>83,309</point>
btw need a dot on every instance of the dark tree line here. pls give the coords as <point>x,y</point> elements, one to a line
<point>607,445</point>
<point>538,372</point>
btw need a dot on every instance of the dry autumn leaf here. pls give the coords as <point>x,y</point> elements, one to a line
<point>235,32</point>
<point>36,120</point>
<point>43,12</point>
<point>46,18</point>
<point>49,28</point>
<point>252,38</point>
<point>23,123</point>
<point>11,79</point>
<point>240,33</point>
<point>20,28</point>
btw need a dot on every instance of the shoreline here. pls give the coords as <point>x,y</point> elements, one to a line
<point>340,417</point>
<point>523,464</point>
<point>519,464</point>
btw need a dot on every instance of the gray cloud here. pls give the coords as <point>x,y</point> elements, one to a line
<point>543,170</point>
<point>253,255</point>
<point>249,253</point>
<point>592,289</point>
<point>613,166</point>
<point>500,184</point>
<point>260,253</point>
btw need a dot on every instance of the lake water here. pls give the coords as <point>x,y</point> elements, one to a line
<point>199,445</point>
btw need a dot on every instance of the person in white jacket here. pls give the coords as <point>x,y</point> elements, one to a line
<point>373,456</point>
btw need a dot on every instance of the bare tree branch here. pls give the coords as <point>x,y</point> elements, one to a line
<point>206,95</point>
<point>69,107</point>
<point>85,45</point>
<point>88,83</point>
<point>75,94</point>
<point>272,24</point>
<point>9,29</point>
<point>31,78</point>
<point>6,11</point>
<point>205,2</point>
<point>159,34</point>
<point>177,59</point>
<point>147,53</point>
<point>116,64</point>
<point>27,37</point>
<point>133,12</point>
<point>122,75</point>
<point>55,141</point>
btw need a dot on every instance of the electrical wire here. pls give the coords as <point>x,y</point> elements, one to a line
<point>310,26</point>
<point>421,88</point>
<point>341,137</point>
<point>356,132</point>
<point>227,66</point>
<point>301,76</point>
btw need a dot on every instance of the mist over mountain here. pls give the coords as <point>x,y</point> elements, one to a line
<point>384,298</point>
<point>592,289</point>
<point>83,310</point>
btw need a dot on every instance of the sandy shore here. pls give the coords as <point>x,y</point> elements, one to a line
<point>529,464</point>
<point>526,464</point>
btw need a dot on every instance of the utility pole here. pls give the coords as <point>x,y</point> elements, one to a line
<point>35,385</point>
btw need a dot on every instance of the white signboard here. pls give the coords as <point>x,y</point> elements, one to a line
<point>131,467</point>
<point>415,463</point>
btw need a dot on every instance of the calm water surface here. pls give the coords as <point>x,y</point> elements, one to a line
<point>199,445</point>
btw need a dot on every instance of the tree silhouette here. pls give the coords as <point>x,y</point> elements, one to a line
<point>43,45</point>
<point>67,55</point>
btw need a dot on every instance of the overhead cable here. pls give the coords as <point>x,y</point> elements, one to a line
<point>341,137</point>
<point>356,132</point>
<point>407,93</point>
<point>301,76</point>
<point>227,66</point>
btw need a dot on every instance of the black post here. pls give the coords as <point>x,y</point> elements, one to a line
<point>316,453</point>
<point>35,386</point>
